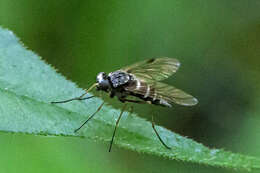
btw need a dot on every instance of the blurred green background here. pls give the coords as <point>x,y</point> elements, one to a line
<point>217,42</point>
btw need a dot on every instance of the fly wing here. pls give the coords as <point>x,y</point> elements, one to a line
<point>155,69</point>
<point>147,74</point>
<point>162,93</point>
<point>173,95</point>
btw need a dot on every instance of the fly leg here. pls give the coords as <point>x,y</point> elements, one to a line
<point>117,123</point>
<point>76,98</point>
<point>99,108</point>
<point>157,134</point>
<point>80,97</point>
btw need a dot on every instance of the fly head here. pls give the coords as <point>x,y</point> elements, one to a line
<point>103,82</point>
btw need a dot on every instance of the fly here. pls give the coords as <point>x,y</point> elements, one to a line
<point>141,82</point>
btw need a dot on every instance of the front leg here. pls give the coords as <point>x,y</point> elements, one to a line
<point>78,98</point>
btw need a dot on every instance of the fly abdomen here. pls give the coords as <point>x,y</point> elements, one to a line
<point>158,100</point>
<point>146,92</point>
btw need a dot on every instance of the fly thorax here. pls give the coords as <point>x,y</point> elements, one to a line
<point>119,78</point>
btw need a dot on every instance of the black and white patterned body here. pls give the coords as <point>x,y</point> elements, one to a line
<point>122,84</point>
<point>142,80</point>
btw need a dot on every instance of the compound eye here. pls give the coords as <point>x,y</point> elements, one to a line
<point>101,76</point>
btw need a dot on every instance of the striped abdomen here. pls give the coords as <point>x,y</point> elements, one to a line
<point>146,92</point>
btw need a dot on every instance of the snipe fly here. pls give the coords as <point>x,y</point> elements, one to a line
<point>140,81</point>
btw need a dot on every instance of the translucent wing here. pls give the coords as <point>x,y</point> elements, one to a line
<point>173,95</point>
<point>162,93</point>
<point>154,69</point>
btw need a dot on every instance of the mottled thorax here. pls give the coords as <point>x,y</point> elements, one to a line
<point>119,78</point>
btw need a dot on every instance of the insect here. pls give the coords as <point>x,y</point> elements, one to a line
<point>141,82</point>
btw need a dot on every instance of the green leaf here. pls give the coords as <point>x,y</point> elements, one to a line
<point>28,85</point>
